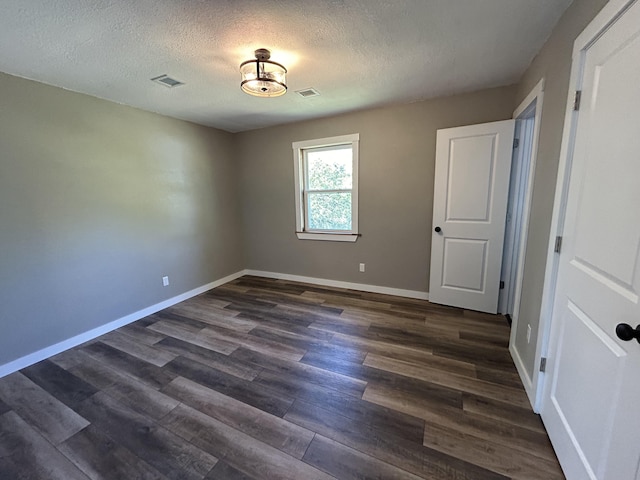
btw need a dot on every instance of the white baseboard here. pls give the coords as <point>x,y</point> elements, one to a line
<point>398,292</point>
<point>524,377</point>
<point>47,352</point>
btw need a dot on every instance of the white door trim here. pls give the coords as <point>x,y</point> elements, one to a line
<point>535,95</point>
<point>609,13</point>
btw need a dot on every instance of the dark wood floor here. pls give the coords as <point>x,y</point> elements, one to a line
<point>265,379</point>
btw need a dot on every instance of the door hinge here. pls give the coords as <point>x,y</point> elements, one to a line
<point>501,285</point>
<point>576,100</point>
<point>543,364</point>
<point>558,245</point>
<point>516,142</point>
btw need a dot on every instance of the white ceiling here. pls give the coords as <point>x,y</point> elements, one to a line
<point>356,53</point>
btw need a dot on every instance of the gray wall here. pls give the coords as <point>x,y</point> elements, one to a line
<point>97,202</point>
<point>397,151</point>
<point>553,63</point>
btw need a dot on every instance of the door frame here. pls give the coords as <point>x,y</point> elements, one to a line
<point>523,206</point>
<point>519,161</point>
<point>609,13</point>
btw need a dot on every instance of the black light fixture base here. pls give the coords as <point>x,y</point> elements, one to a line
<point>262,54</point>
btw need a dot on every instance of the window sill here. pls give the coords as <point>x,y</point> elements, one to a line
<point>331,237</point>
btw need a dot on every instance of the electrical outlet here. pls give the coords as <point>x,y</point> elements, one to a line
<point>165,281</point>
<point>528,333</point>
<point>362,267</point>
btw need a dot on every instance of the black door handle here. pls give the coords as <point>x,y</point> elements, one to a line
<point>626,332</point>
<point>438,229</point>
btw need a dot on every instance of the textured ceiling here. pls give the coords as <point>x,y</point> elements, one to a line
<point>356,53</point>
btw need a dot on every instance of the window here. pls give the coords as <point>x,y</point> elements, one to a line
<point>326,172</point>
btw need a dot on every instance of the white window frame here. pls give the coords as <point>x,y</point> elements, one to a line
<point>299,171</point>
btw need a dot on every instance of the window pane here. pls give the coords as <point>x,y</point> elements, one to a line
<point>330,169</point>
<point>329,211</point>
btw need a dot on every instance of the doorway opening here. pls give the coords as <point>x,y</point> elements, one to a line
<point>527,116</point>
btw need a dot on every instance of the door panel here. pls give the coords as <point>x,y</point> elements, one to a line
<point>592,390</point>
<point>471,162</point>
<point>596,224</point>
<point>470,199</point>
<point>464,264</point>
<point>580,340</point>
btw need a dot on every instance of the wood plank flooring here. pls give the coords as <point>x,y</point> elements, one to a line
<point>269,379</point>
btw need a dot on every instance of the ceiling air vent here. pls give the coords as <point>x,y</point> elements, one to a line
<point>167,81</point>
<point>308,92</point>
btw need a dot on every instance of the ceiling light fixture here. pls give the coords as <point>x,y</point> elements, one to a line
<point>262,77</point>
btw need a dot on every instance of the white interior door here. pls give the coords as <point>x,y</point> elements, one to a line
<point>591,403</point>
<point>469,210</point>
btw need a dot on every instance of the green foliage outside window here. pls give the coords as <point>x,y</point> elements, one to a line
<point>330,211</point>
<point>329,183</point>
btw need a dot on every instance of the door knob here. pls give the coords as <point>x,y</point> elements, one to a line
<point>626,332</point>
<point>438,229</point>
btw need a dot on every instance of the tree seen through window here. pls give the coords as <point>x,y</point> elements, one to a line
<point>328,192</point>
